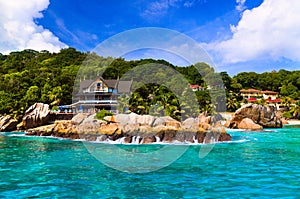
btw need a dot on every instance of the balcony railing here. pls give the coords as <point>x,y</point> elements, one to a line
<point>95,102</point>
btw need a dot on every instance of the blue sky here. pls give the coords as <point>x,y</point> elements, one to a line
<point>239,35</point>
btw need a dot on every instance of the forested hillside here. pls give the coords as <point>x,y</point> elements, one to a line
<point>30,76</point>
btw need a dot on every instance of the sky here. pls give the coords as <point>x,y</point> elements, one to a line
<point>238,35</point>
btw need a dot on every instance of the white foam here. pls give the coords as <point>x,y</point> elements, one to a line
<point>237,141</point>
<point>17,135</point>
<point>135,140</point>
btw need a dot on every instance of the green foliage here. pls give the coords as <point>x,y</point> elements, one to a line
<point>30,76</point>
<point>294,110</point>
<point>54,108</point>
<point>287,115</point>
<point>232,102</point>
<point>103,113</point>
<point>287,83</point>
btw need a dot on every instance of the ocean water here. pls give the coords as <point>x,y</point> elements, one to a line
<point>253,165</point>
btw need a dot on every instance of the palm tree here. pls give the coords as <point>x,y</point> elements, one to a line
<point>295,110</point>
<point>123,101</point>
<point>137,103</point>
<point>286,102</point>
<point>232,103</point>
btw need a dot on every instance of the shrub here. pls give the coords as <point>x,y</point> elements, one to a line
<point>287,115</point>
<point>55,108</point>
<point>101,114</point>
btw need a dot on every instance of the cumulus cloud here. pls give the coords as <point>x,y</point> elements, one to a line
<point>18,29</point>
<point>269,31</point>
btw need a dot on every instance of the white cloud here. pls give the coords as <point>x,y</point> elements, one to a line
<point>270,31</point>
<point>18,29</point>
<point>240,5</point>
<point>157,9</point>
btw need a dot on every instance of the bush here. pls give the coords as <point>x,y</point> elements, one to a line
<point>55,108</point>
<point>101,114</point>
<point>287,115</point>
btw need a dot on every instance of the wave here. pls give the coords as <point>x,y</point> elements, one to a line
<point>13,134</point>
<point>238,141</point>
<point>136,140</point>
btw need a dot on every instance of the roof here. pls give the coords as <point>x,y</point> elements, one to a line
<point>252,99</point>
<point>193,86</point>
<point>250,90</point>
<point>273,101</point>
<point>124,86</point>
<point>270,92</point>
<point>84,84</point>
<point>111,83</point>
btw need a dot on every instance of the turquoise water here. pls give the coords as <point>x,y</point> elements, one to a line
<point>254,165</point>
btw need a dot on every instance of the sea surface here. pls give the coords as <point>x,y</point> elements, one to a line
<point>253,165</point>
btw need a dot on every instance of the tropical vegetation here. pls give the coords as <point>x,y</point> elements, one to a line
<point>159,88</point>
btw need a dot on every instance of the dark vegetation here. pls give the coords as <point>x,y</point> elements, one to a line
<point>30,76</point>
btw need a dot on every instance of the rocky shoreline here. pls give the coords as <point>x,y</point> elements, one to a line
<point>135,129</point>
<point>143,129</point>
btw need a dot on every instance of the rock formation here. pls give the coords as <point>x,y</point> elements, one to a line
<point>133,128</point>
<point>264,116</point>
<point>36,115</point>
<point>7,123</point>
<point>247,123</point>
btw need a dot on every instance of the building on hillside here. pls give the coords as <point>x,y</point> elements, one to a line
<point>253,95</point>
<point>196,87</point>
<point>250,94</point>
<point>98,94</point>
<point>270,95</point>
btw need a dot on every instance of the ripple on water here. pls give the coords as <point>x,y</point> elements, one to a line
<point>253,165</point>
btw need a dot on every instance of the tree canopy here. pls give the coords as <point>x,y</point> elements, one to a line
<point>30,76</point>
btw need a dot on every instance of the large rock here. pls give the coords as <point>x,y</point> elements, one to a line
<point>79,118</point>
<point>202,118</point>
<point>122,118</point>
<point>190,123</point>
<point>166,121</point>
<point>247,123</point>
<point>146,120</point>
<point>264,116</point>
<point>90,125</point>
<point>42,130</point>
<point>109,129</point>
<point>143,129</point>
<point>134,118</point>
<point>7,123</point>
<point>64,126</point>
<point>36,115</point>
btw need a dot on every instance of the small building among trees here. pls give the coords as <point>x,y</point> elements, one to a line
<point>254,95</point>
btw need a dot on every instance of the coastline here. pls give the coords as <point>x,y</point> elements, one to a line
<point>135,129</point>
<point>293,122</point>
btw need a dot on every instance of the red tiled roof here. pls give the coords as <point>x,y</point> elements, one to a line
<point>194,86</point>
<point>274,101</point>
<point>270,92</point>
<point>250,90</point>
<point>252,99</point>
